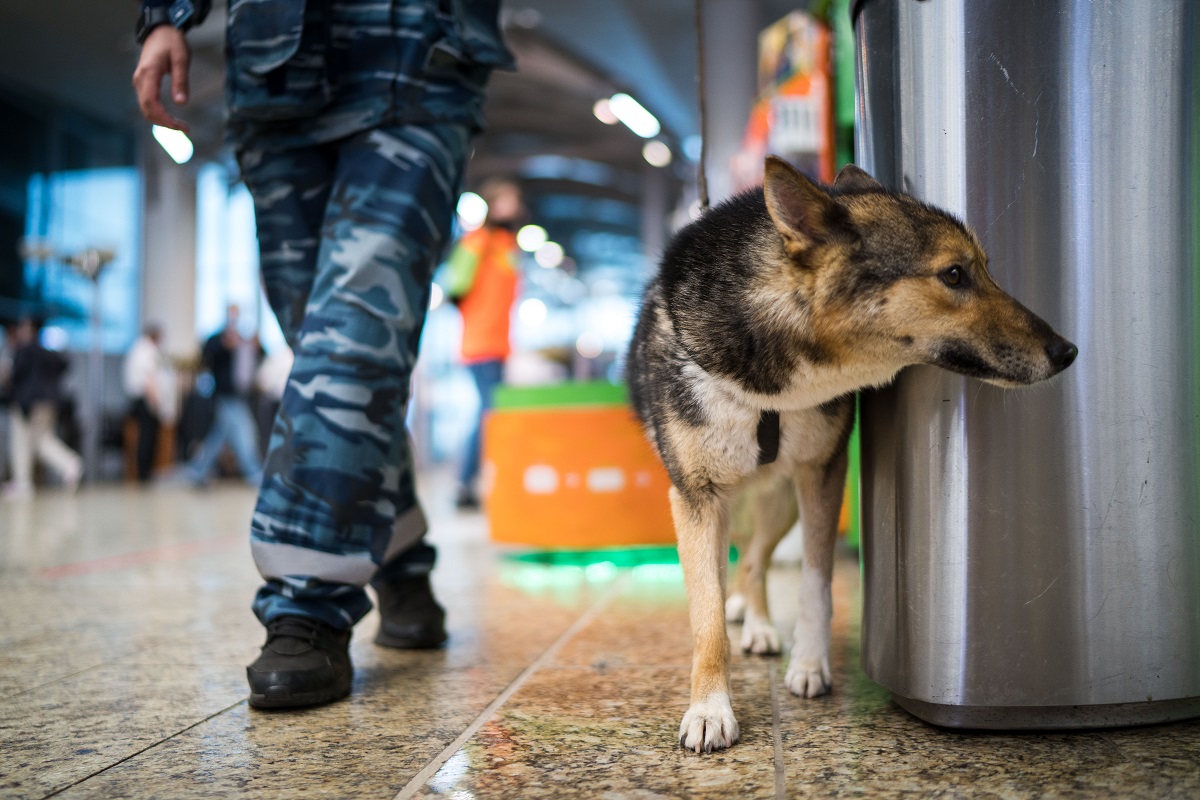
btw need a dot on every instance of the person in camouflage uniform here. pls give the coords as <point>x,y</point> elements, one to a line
<point>352,122</point>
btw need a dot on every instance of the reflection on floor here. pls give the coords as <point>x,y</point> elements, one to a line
<point>125,631</point>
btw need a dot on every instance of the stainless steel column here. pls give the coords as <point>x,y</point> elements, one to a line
<point>1032,557</point>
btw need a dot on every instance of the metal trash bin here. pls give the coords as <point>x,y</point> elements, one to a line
<point>1032,557</point>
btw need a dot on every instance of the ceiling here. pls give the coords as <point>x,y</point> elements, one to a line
<point>81,54</point>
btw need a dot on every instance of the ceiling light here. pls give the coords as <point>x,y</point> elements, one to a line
<point>603,111</point>
<point>657,153</point>
<point>472,210</point>
<point>531,237</point>
<point>635,117</point>
<point>176,143</point>
<point>54,338</point>
<point>532,312</point>
<point>589,344</point>
<point>549,255</point>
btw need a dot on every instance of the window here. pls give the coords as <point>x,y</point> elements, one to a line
<point>70,212</point>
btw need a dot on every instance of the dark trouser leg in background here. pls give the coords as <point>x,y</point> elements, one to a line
<point>147,441</point>
<point>488,375</point>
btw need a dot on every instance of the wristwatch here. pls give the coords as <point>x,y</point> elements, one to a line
<point>148,19</point>
<point>183,14</point>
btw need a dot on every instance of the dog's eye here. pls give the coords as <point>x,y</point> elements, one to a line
<point>953,276</point>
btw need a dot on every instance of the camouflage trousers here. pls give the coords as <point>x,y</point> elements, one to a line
<point>349,235</point>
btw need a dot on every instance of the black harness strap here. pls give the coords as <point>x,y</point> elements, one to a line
<point>768,437</point>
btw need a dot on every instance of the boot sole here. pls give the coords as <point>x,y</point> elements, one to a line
<point>276,697</point>
<point>430,642</point>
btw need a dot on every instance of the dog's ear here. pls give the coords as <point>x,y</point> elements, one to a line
<point>852,179</point>
<point>802,211</point>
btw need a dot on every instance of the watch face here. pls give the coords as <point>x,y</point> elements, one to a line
<point>181,14</point>
<point>148,20</point>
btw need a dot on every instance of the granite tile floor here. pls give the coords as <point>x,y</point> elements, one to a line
<point>125,628</point>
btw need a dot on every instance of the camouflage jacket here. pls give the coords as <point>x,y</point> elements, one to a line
<point>303,72</point>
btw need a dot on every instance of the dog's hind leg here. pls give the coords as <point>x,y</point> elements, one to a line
<point>774,512</point>
<point>741,533</point>
<point>819,488</point>
<point>702,528</point>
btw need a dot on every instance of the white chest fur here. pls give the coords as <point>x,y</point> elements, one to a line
<point>806,432</point>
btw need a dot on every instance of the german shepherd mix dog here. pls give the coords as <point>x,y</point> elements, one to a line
<point>766,315</point>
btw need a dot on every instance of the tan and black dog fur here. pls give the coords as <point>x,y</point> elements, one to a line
<point>788,299</point>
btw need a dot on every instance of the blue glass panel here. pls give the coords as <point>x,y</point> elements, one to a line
<point>71,212</point>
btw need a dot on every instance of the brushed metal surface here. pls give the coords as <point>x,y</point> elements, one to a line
<point>1041,547</point>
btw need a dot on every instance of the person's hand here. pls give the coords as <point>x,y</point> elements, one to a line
<point>165,51</point>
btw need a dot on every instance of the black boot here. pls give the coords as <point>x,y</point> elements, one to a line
<point>303,663</point>
<point>410,618</point>
<point>466,499</point>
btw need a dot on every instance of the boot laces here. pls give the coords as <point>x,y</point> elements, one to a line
<point>302,628</point>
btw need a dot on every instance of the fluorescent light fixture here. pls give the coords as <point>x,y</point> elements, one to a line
<point>531,237</point>
<point>603,111</point>
<point>635,117</point>
<point>532,312</point>
<point>656,153</point>
<point>472,210</point>
<point>549,255</point>
<point>176,143</point>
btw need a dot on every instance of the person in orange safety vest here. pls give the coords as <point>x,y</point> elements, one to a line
<point>483,278</point>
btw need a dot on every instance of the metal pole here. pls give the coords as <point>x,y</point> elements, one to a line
<point>94,391</point>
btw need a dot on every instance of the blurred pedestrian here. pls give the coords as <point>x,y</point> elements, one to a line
<point>228,358</point>
<point>6,357</point>
<point>144,373</point>
<point>483,276</point>
<point>352,122</point>
<point>36,383</point>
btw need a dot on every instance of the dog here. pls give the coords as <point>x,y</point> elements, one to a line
<point>766,315</point>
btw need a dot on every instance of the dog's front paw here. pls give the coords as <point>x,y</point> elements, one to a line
<point>735,608</point>
<point>808,677</point>
<point>709,725</point>
<point>759,635</point>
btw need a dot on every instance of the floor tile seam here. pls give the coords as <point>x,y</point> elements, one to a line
<point>419,780</point>
<point>777,735</point>
<point>646,665</point>
<point>147,748</point>
<point>184,551</point>
<point>1120,751</point>
<point>7,697</point>
<point>615,667</point>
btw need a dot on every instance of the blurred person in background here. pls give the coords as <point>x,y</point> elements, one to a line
<point>36,389</point>
<point>482,282</point>
<point>144,374</point>
<point>6,357</point>
<point>230,359</point>
<point>352,123</point>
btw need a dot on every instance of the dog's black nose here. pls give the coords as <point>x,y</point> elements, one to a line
<point>1062,353</point>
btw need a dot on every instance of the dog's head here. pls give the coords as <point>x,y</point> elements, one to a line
<point>890,278</point>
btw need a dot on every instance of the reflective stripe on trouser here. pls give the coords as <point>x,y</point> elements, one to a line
<point>349,234</point>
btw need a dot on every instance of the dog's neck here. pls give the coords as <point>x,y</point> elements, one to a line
<point>811,386</point>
